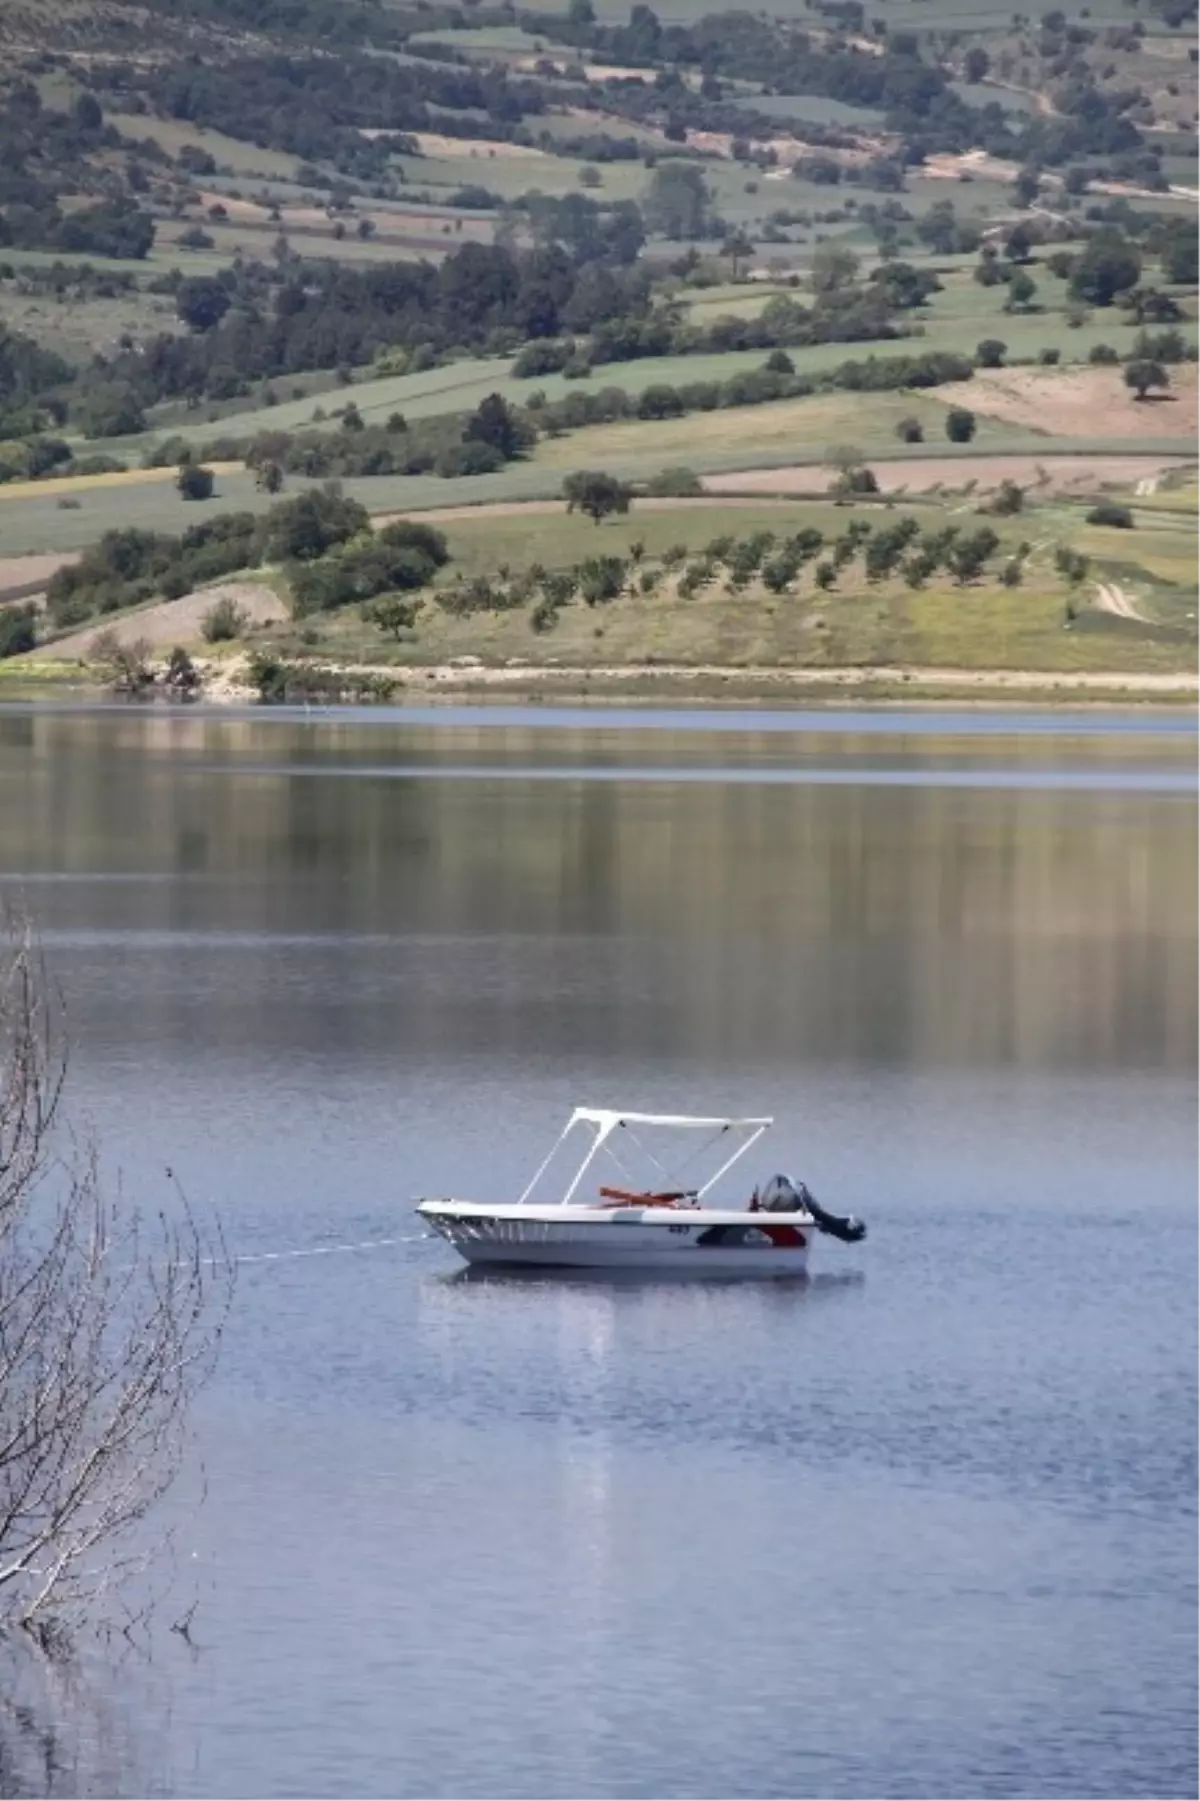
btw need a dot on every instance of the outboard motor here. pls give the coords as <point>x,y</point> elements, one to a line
<point>782,1195</point>
<point>779,1195</point>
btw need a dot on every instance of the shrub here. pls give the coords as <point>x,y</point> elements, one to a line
<point>471,458</point>
<point>1071,564</point>
<point>544,356</point>
<point>1108,513</point>
<point>960,425</point>
<point>910,431</point>
<point>194,481</point>
<point>853,481</point>
<point>182,678</point>
<point>679,484</point>
<point>1051,355</point>
<point>1103,354</point>
<point>304,528</point>
<point>780,571</point>
<point>224,621</point>
<point>601,579</point>
<point>990,353</point>
<point>967,556</point>
<point>1008,499</point>
<point>659,401</point>
<point>18,630</point>
<point>410,534</point>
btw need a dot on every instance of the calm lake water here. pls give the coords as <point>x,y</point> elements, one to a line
<point>922,1527</point>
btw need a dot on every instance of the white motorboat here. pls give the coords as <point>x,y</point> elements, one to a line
<point>666,1227</point>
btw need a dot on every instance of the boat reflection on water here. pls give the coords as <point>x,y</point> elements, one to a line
<point>497,1275</point>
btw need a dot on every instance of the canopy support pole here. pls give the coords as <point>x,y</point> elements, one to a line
<point>544,1165</point>
<point>601,1134</point>
<point>730,1161</point>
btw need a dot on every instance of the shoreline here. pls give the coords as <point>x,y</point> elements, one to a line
<point>707,684</point>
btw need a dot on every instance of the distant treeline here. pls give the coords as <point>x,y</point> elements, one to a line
<point>483,298</point>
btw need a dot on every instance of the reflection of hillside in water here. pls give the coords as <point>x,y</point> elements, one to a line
<point>756,919</point>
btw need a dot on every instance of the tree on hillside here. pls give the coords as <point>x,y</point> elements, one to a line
<point>834,267</point>
<point>202,302</point>
<point>268,477</point>
<point>1143,375</point>
<point>301,529</point>
<point>392,615</point>
<point>1018,244</point>
<point>1150,306</point>
<point>1108,266</point>
<point>111,411</point>
<point>976,64</point>
<point>737,247</point>
<point>88,113</point>
<point>1026,186</point>
<point>494,422</point>
<point>1021,291</point>
<point>1179,250</point>
<point>854,482</point>
<point>194,481</point>
<point>596,493</point>
<point>678,202</point>
<point>960,425</point>
<point>967,556</point>
<point>18,629</point>
<point>990,353</point>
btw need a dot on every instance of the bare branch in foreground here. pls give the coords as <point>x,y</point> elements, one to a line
<point>110,1318</point>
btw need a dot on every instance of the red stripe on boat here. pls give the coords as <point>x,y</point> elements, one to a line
<point>782,1237</point>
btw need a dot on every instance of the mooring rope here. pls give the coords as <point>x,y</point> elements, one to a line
<point>321,1250</point>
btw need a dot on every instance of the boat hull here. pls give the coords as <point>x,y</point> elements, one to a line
<point>712,1245</point>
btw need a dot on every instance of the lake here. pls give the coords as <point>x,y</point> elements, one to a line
<point>923,1526</point>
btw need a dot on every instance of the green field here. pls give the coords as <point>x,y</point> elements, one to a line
<point>814,109</point>
<point>231,153</point>
<point>512,176</point>
<point>798,431</point>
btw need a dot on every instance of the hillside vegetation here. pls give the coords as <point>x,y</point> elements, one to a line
<point>250,248</point>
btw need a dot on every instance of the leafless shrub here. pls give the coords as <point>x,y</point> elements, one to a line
<point>110,1317</point>
<point>126,663</point>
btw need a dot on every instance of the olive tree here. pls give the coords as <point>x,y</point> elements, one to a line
<point>596,493</point>
<point>110,1316</point>
<point>1144,374</point>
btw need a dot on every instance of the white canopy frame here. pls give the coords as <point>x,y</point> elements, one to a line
<point>605,1122</point>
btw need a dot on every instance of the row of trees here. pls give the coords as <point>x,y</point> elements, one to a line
<point>895,547</point>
